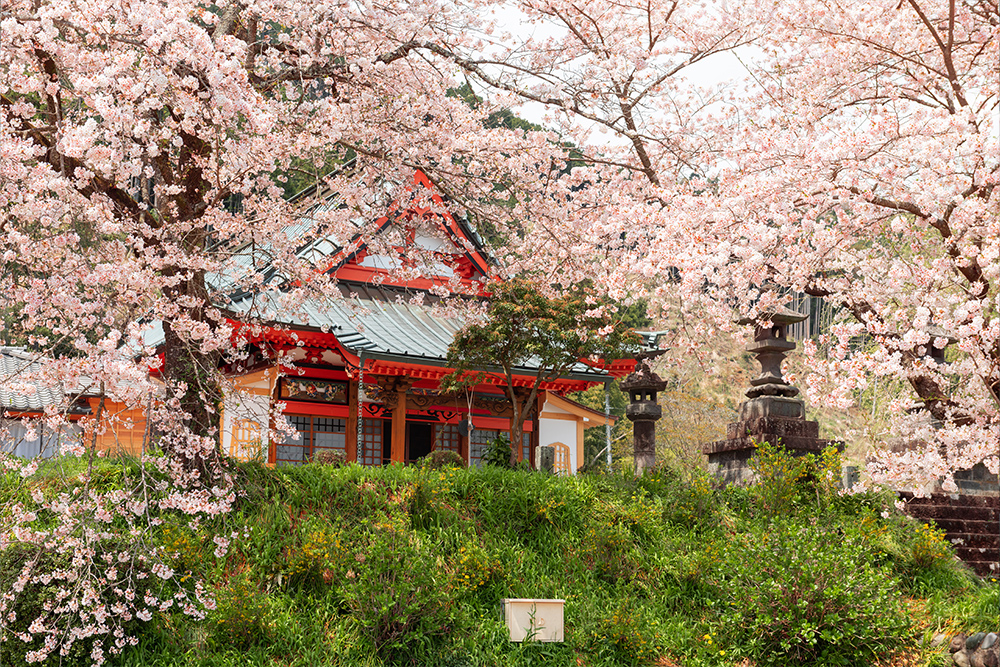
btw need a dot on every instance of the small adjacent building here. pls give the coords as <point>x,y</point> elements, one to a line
<point>22,431</point>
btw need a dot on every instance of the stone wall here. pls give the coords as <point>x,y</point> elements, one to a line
<point>977,482</point>
<point>978,650</point>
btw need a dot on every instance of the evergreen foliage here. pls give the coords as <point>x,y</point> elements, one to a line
<point>527,332</point>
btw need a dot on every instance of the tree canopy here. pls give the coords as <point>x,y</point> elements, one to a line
<point>856,160</point>
<point>526,332</point>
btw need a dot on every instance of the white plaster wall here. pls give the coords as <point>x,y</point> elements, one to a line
<point>241,406</point>
<point>559,430</point>
<point>430,242</point>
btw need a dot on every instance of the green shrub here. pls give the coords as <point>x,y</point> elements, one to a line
<point>606,551</point>
<point>804,594</point>
<point>442,458</point>
<point>929,546</point>
<point>315,557</point>
<point>783,480</point>
<point>920,555</point>
<point>240,619</point>
<point>625,637</point>
<point>686,502</point>
<point>497,452</point>
<point>778,474</point>
<point>398,594</point>
<point>330,457</point>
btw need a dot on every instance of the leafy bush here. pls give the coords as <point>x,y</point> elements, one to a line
<point>625,637</point>
<point>497,452</point>
<point>442,458</point>
<point>313,558</point>
<point>330,457</point>
<point>394,591</point>
<point>929,546</point>
<point>801,593</point>
<point>778,474</point>
<point>606,550</point>
<point>686,501</point>
<point>783,479</point>
<point>240,619</point>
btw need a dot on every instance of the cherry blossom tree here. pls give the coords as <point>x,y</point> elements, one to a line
<point>161,132</point>
<point>143,144</point>
<point>865,172</point>
<point>856,159</point>
<point>143,147</point>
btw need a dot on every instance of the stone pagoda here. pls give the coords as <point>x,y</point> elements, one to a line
<point>771,413</point>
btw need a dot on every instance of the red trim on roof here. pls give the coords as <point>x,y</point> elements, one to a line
<point>369,275</point>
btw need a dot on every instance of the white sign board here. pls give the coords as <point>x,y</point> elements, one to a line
<point>534,620</point>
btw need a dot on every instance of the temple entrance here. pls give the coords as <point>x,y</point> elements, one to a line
<point>419,440</point>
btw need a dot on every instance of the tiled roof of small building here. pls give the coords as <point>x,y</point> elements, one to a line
<point>16,362</point>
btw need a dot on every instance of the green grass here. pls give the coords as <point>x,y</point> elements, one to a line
<point>408,566</point>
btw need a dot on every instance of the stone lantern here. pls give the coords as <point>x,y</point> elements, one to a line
<point>770,395</point>
<point>771,413</point>
<point>644,410</point>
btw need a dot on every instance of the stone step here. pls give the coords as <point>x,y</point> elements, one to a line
<point>971,524</point>
<point>977,550</point>
<point>939,512</point>
<point>963,500</point>
<point>984,568</point>
<point>970,527</point>
<point>974,540</point>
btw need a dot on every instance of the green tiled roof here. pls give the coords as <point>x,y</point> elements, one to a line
<point>382,323</point>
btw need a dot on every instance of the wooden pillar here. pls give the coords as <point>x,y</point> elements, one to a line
<point>272,444</point>
<point>398,451</point>
<point>351,441</point>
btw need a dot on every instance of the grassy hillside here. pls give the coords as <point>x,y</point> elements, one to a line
<point>408,566</point>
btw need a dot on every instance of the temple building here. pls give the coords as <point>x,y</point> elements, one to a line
<point>360,373</point>
<point>367,367</point>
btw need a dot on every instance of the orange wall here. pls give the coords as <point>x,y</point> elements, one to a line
<point>121,429</point>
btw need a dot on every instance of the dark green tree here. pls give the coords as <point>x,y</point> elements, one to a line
<point>528,333</point>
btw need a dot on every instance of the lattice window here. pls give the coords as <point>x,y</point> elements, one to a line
<point>526,446</point>
<point>247,442</point>
<point>315,433</point>
<point>330,434</point>
<point>562,463</point>
<point>370,446</point>
<point>478,441</point>
<point>447,436</point>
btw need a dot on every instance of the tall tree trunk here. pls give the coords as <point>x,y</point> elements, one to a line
<point>185,364</point>
<point>521,401</point>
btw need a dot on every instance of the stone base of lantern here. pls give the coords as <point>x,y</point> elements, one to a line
<point>765,407</point>
<point>729,459</point>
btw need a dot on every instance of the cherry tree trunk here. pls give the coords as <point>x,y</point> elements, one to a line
<point>191,378</point>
